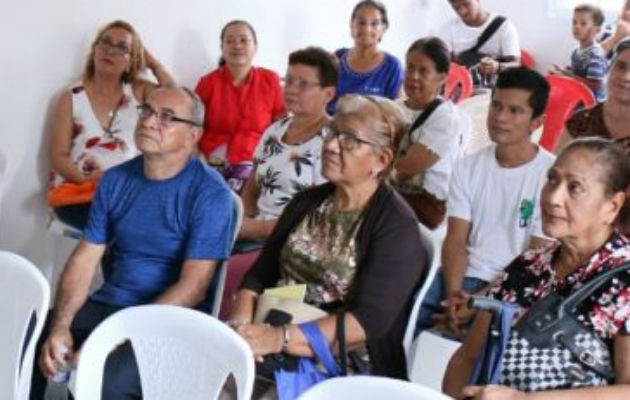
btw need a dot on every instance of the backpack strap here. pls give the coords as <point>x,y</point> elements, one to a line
<point>425,114</point>
<point>487,33</point>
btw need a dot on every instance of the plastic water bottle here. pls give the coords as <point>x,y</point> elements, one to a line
<point>57,387</point>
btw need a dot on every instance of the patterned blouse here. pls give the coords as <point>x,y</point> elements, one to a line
<point>95,146</point>
<point>590,122</point>
<point>532,276</point>
<point>282,170</point>
<point>321,252</point>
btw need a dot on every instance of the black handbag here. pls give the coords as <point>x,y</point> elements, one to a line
<point>549,348</point>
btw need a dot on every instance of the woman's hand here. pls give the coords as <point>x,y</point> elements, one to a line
<point>150,61</point>
<point>622,29</point>
<point>492,392</point>
<point>93,175</point>
<point>262,338</point>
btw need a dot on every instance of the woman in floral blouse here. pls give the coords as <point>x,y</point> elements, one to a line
<point>585,191</point>
<point>288,157</point>
<point>94,121</point>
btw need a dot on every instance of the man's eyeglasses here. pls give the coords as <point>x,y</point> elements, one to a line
<point>301,84</point>
<point>119,49</point>
<point>348,141</point>
<point>165,117</point>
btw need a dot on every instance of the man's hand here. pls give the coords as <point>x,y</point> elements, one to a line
<point>488,66</point>
<point>457,313</point>
<point>56,352</point>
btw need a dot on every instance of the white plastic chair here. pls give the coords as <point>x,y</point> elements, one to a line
<point>477,108</point>
<point>432,354</point>
<point>428,354</point>
<point>223,267</point>
<point>370,388</point>
<point>57,226</point>
<point>432,242</point>
<point>3,167</point>
<point>181,354</point>
<point>24,298</point>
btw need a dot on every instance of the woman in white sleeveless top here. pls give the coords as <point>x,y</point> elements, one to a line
<point>94,121</point>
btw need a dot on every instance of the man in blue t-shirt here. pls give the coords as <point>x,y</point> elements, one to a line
<point>167,221</point>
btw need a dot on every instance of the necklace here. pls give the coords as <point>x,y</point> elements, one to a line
<point>110,131</point>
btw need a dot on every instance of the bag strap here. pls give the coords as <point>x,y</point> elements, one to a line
<point>589,288</point>
<point>341,339</point>
<point>320,346</point>
<point>425,114</point>
<point>487,33</point>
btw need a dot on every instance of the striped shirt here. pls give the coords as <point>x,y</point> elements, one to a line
<point>590,63</point>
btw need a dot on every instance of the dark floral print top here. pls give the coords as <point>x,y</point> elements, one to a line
<point>532,276</point>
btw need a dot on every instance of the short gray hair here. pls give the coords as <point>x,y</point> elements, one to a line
<point>198,110</point>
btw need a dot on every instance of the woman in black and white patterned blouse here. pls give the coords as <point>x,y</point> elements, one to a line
<point>585,191</point>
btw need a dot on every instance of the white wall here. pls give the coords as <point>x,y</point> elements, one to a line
<point>44,42</point>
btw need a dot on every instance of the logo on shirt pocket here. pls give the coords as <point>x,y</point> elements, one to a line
<point>526,213</point>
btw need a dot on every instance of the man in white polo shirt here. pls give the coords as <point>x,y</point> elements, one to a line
<point>493,203</point>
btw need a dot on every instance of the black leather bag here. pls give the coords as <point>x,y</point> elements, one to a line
<point>549,348</point>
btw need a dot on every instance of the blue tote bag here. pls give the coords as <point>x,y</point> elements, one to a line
<point>291,384</point>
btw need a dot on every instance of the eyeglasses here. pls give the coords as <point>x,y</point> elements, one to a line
<point>301,84</point>
<point>348,141</point>
<point>165,117</point>
<point>118,49</point>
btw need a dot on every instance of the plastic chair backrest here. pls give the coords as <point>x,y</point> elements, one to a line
<point>432,355</point>
<point>24,295</point>
<point>3,167</point>
<point>528,60</point>
<point>459,84</point>
<point>222,270</point>
<point>477,109</point>
<point>433,245</point>
<point>566,95</point>
<point>181,354</point>
<point>370,388</point>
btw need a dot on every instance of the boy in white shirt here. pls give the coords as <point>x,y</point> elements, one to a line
<point>493,204</point>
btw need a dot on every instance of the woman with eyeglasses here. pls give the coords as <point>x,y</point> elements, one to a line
<point>365,68</point>
<point>288,156</point>
<point>241,101</point>
<point>353,241</point>
<point>94,122</point>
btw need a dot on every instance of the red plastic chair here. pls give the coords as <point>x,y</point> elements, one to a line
<point>528,60</point>
<point>567,94</point>
<point>459,84</point>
